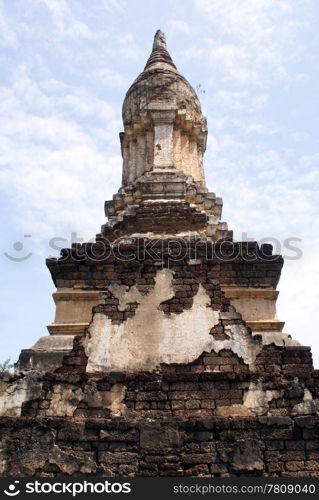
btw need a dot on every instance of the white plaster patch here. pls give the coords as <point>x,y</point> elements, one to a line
<point>3,457</point>
<point>277,338</point>
<point>241,343</point>
<point>116,397</point>
<point>163,145</point>
<point>14,394</point>
<point>64,401</point>
<point>112,400</point>
<point>150,338</point>
<point>256,402</point>
<point>308,406</point>
<point>307,396</point>
<point>235,410</point>
<point>257,399</point>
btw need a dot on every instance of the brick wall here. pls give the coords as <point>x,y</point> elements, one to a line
<point>95,265</point>
<point>169,393</point>
<point>216,447</point>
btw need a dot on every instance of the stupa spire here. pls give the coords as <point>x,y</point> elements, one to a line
<point>160,52</point>
<point>164,128</point>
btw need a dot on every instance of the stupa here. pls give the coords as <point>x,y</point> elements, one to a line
<point>166,356</point>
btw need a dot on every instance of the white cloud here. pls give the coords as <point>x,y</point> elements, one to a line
<point>60,174</point>
<point>111,78</point>
<point>7,35</point>
<point>250,41</point>
<point>114,5</point>
<point>310,161</point>
<point>64,21</point>
<point>239,100</point>
<point>249,20</point>
<point>127,47</point>
<point>260,128</point>
<point>177,25</point>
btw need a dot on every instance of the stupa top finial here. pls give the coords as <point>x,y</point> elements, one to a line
<point>160,55</point>
<point>159,40</point>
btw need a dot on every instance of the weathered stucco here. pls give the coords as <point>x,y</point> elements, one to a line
<point>65,399</point>
<point>14,394</point>
<point>309,405</point>
<point>36,449</point>
<point>255,402</point>
<point>150,337</point>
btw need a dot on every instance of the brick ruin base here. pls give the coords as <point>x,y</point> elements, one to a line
<point>216,447</point>
<point>244,405</point>
<point>176,423</point>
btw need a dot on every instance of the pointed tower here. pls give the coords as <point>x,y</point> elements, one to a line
<point>162,117</point>
<point>166,356</point>
<point>162,145</point>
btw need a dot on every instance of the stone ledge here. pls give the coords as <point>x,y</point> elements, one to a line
<point>89,295</point>
<point>267,325</point>
<point>67,328</point>
<point>235,292</point>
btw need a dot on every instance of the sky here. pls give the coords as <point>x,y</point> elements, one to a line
<point>65,66</point>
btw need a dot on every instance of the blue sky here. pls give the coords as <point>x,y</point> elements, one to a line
<point>65,67</point>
